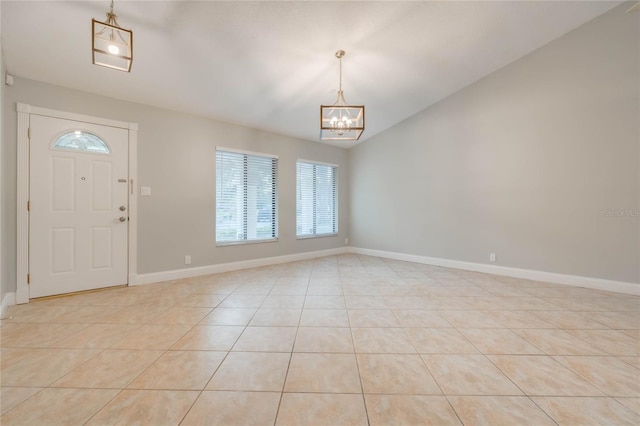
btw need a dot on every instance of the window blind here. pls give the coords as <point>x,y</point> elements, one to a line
<point>245,197</point>
<point>316,202</point>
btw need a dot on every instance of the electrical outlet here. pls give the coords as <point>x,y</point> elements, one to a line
<point>492,257</point>
<point>187,260</point>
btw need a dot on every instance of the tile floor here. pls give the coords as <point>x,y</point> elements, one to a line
<point>338,340</point>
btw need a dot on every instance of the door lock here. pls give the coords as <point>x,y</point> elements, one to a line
<point>122,208</point>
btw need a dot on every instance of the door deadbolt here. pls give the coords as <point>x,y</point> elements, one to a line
<point>122,208</point>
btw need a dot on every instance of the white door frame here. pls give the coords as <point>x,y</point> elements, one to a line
<point>24,113</point>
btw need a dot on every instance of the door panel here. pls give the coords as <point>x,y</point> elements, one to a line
<point>102,185</point>
<point>62,184</point>
<point>77,185</point>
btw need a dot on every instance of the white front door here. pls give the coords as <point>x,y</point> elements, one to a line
<point>78,222</point>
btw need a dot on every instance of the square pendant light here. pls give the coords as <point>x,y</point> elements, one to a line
<point>112,45</point>
<point>341,121</point>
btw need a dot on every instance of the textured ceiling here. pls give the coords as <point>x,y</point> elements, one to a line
<point>269,65</point>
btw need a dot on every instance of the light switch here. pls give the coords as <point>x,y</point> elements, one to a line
<point>145,190</point>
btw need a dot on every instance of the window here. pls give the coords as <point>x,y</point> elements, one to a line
<point>83,142</point>
<point>316,202</point>
<point>245,197</point>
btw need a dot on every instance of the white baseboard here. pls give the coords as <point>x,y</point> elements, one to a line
<point>572,280</point>
<point>177,274</point>
<point>8,300</point>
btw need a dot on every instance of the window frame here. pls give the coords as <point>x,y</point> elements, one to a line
<point>275,229</point>
<point>335,202</point>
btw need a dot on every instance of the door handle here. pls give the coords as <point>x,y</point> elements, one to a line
<point>120,219</point>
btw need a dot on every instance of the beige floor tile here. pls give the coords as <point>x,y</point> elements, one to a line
<point>587,411</point>
<point>396,374</point>
<point>58,407</point>
<point>180,370</point>
<point>252,290</point>
<point>323,339</point>
<point>132,315</point>
<point>93,315</point>
<point>283,302</point>
<point>181,315</point>
<point>242,301</point>
<point>266,339</point>
<point>631,360</point>
<point>470,319</point>
<point>543,375</point>
<point>421,318</point>
<point>201,300</point>
<point>41,367</point>
<point>288,290</point>
<point>372,318</point>
<point>365,302</point>
<point>518,319</point>
<point>324,302</point>
<point>469,375</point>
<point>632,404</point>
<point>409,410</point>
<point>613,342</point>
<point>361,290</point>
<point>499,411</point>
<point>151,407</point>
<point>324,318</point>
<point>276,317</point>
<point>531,304</point>
<point>35,312</point>
<point>209,338</point>
<point>405,302</point>
<point>382,340</point>
<point>617,320</point>
<point>558,342</point>
<point>10,397</point>
<point>97,336</point>
<point>251,371</point>
<point>321,410</point>
<point>612,376</point>
<point>152,336</point>
<point>229,316</point>
<point>113,369</point>
<point>327,373</point>
<point>569,320</point>
<point>325,290</point>
<point>440,341</point>
<point>633,333</point>
<point>498,341</point>
<point>230,409</point>
<point>36,335</point>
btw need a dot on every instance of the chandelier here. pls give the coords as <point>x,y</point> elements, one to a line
<point>341,121</point>
<point>112,45</point>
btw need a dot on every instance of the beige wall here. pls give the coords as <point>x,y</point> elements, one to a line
<point>524,163</point>
<point>176,158</point>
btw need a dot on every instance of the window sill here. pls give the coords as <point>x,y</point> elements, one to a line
<point>307,237</point>
<point>240,243</point>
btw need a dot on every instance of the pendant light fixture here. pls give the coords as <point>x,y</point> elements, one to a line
<point>340,121</point>
<point>112,45</point>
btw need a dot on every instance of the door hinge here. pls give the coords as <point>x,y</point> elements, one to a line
<point>28,206</point>
<point>29,133</point>
<point>28,278</point>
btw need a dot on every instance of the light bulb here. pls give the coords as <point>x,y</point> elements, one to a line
<point>113,49</point>
<point>78,133</point>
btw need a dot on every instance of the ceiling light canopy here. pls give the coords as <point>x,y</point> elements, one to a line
<point>341,121</point>
<point>112,45</point>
